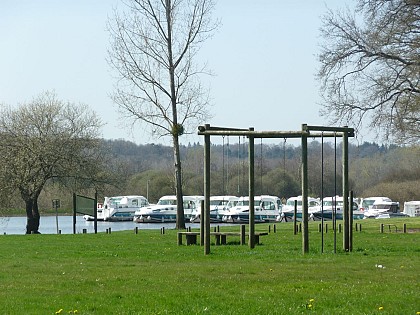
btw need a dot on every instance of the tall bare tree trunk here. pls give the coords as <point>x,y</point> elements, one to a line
<point>180,219</point>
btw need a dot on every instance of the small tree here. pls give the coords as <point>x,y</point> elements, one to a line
<point>153,47</point>
<point>45,139</point>
<point>370,67</point>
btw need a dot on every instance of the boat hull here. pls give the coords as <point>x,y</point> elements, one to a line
<point>238,218</point>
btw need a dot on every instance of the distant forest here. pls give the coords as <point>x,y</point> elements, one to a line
<point>147,169</point>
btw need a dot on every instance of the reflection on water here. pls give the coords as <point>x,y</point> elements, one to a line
<point>48,225</point>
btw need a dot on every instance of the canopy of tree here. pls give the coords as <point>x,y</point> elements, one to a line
<point>43,140</point>
<point>153,47</point>
<point>370,68</point>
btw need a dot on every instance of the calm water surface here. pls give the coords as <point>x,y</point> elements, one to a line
<point>48,225</point>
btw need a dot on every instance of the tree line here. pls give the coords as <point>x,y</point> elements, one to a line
<point>147,169</point>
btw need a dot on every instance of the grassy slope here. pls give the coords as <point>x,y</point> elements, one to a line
<point>125,273</point>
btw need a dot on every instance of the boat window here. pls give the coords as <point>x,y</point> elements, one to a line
<point>268,205</point>
<point>134,202</point>
<point>167,202</point>
<point>243,203</point>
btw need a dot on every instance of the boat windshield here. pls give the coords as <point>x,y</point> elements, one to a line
<point>331,203</point>
<point>218,202</point>
<point>394,208</point>
<point>167,202</point>
<point>292,203</point>
<point>367,203</point>
<point>268,205</point>
<point>246,203</point>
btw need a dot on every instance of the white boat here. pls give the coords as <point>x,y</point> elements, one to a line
<point>384,210</point>
<point>412,208</point>
<point>331,204</point>
<point>266,209</point>
<point>219,206</point>
<point>367,203</point>
<point>289,208</point>
<point>119,208</point>
<point>166,208</point>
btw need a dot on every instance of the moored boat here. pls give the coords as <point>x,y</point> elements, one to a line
<point>367,203</point>
<point>266,209</point>
<point>334,206</point>
<point>119,208</point>
<point>288,210</point>
<point>384,210</point>
<point>219,206</point>
<point>166,210</point>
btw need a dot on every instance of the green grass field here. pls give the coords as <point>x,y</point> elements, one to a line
<point>147,273</point>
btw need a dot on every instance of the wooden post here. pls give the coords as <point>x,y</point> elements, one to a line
<point>351,220</point>
<point>136,230</point>
<point>405,228</point>
<point>207,193</point>
<point>305,234</point>
<point>381,228</point>
<point>74,213</point>
<point>202,223</point>
<point>295,218</point>
<point>346,234</point>
<point>251,191</point>
<point>274,228</point>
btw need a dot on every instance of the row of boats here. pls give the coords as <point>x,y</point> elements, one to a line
<point>233,209</point>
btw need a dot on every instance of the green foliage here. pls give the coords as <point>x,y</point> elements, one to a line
<point>147,273</point>
<point>373,170</point>
<point>279,183</point>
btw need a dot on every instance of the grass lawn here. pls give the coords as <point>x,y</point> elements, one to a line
<point>148,273</point>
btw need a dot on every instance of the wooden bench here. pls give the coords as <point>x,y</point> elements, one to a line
<point>220,237</point>
<point>389,227</point>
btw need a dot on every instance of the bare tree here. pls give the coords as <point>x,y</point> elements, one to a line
<point>45,139</point>
<point>370,67</point>
<point>153,46</point>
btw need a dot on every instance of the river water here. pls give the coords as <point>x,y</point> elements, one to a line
<point>48,225</point>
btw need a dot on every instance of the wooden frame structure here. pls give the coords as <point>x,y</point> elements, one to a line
<point>307,131</point>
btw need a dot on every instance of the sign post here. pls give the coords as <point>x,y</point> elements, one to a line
<point>56,205</point>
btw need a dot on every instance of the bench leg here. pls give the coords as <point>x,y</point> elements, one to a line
<point>257,239</point>
<point>243,240</point>
<point>191,239</point>
<point>223,240</point>
<point>179,239</point>
<point>217,237</point>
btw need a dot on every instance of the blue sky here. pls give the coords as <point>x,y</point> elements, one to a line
<point>263,56</point>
